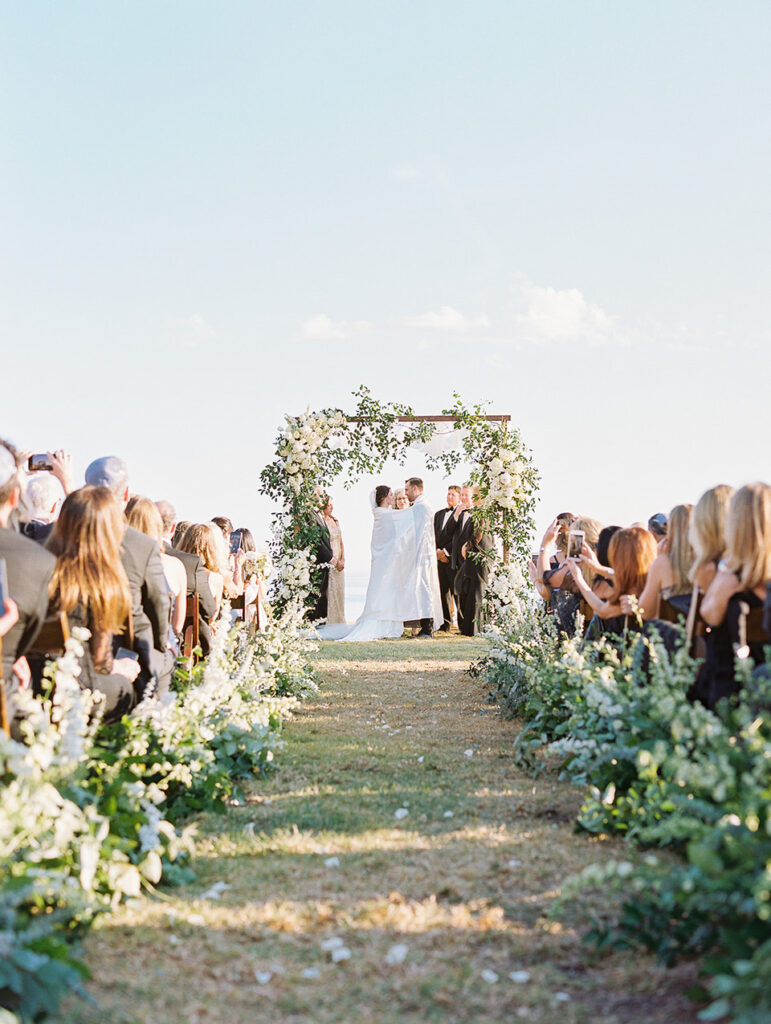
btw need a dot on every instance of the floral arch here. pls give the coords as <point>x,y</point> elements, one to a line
<point>316,448</point>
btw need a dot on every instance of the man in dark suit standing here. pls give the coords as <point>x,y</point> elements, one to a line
<point>197,582</point>
<point>444,530</point>
<point>324,557</point>
<point>462,536</point>
<point>150,601</point>
<point>29,568</point>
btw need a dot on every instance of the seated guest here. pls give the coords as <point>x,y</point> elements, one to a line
<point>707,534</point>
<point>43,495</point>
<point>669,575</point>
<point>658,525</point>
<point>90,585</point>
<point>631,553</point>
<point>602,584</point>
<point>233,580</point>
<point>148,631</point>
<point>180,529</point>
<point>564,598</point>
<point>29,568</point>
<point>740,580</point>
<point>196,578</point>
<point>254,589</point>
<point>143,515</point>
<point>202,540</point>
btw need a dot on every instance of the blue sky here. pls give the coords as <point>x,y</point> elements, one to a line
<point>215,213</point>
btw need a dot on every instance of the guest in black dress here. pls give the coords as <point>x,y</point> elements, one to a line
<point>741,580</point>
<point>631,553</point>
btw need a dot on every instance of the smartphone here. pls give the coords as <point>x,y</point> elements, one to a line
<point>235,541</point>
<point>4,595</point>
<point>123,652</point>
<point>575,543</point>
<point>39,463</point>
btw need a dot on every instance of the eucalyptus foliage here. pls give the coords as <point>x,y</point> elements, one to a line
<point>664,772</point>
<point>316,448</point>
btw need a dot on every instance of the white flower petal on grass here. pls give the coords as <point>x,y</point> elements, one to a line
<point>332,862</point>
<point>489,976</point>
<point>333,942</point>
<point>196,919</point>
<point>519,976</point>
<point>402,812</point>
<point>442,695</point>
<point>397,954</point>
<point>561,997</point>
<point>420,759</point>
<point>449,814</point>
<point>343,953</point>
<point>515,863</point>
<point>310,972</point>
<point>469,752</point>
<point>214,891</point>
<point>263,977</point>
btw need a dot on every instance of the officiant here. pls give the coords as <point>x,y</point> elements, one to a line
<point>445,525</point>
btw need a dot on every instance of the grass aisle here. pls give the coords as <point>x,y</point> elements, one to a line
<point>459,886</point>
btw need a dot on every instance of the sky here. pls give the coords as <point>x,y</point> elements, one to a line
<point>215,214</point>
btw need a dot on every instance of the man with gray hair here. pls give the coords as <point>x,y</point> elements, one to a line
<point>141,559</point>
<point>43,497</point>
<point>29,569</point>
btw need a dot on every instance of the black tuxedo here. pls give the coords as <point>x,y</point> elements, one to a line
<point>197,583</point>
<point>445,526</point>
<point>323,554</point>
<point>29,567</point>
<point>150,603</point>
<point>464,531</point>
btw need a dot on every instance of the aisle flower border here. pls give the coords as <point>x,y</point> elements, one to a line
<point>315,448</point>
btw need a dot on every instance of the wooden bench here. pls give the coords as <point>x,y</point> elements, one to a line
<point>191,629</point>
<point>52,638</point>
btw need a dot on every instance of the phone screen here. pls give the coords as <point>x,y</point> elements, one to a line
<point>123,652</point>
<point>575,543</point>
<point>235,541</point>
<point>37,463</point>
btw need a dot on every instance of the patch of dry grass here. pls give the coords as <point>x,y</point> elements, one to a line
<point>465,880</point>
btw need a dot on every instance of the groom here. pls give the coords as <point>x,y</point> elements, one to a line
<point>414,491</point>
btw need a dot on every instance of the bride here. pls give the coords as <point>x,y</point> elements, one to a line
<point>403,582</point>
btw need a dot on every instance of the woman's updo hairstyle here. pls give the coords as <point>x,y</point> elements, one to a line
<point>381,493</point>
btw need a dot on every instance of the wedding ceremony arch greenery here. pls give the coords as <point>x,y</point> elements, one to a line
<point>316,448</point>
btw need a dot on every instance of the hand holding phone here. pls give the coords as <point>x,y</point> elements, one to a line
<point>39,463</point>
<point>575,544</point>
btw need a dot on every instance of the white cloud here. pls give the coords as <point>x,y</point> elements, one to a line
<point>448,319</point>
<point>554,315</point>
<point>321,327</point>
<point>193,331</point>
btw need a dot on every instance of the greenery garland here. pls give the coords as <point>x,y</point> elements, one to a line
<point>315,448</point>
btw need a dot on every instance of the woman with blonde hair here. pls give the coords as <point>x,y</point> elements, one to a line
<point>707,533</point>
<point>631,554</point>
<point>90,585</point>
<point>143,515</point>
<point>741,579</point>
<point>670,573</point>
<point>205,540</point>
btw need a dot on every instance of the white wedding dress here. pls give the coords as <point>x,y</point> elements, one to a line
<point>403,582</point>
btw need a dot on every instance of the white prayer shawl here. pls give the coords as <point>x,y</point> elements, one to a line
<point>404,580</point>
